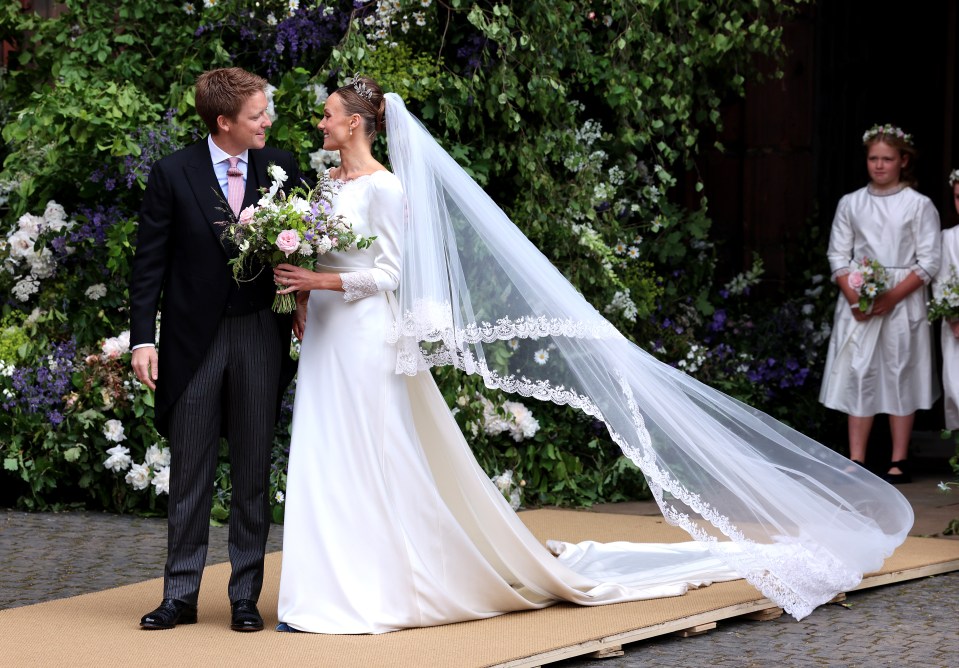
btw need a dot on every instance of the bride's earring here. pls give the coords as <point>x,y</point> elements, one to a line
<point>351,130</point>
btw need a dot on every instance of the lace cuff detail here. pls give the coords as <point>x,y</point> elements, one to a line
<point>358,284</point>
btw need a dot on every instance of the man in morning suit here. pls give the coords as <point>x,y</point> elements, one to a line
<point>222,351</point>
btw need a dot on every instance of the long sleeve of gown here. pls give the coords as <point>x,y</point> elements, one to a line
<point>949,266</point>
<point>926,231</point>
<point>386,223</point>
<point>841,240</point>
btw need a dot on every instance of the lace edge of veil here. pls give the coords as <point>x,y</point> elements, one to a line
<point>767,567</point>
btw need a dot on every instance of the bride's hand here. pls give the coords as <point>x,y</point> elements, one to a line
<point>291,278</point>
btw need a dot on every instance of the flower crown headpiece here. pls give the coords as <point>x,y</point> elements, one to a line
<point>360,87</point>
<point>954,177</point>
<point>887,130</point>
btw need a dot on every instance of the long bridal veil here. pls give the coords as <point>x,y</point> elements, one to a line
<point>477,295</point>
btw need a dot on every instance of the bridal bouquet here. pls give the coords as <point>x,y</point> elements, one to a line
<point>947,305</point>
<point>868,279</point>
<point>293,227</point>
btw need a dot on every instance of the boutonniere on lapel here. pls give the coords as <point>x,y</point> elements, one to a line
<point>294,226</point>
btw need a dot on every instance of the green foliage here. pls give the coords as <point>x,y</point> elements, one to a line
<point>577,120</point>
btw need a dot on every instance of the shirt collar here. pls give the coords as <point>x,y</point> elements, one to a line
<point>218,155</point>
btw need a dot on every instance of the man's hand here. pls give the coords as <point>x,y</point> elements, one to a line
<point>299,318</point>
<point>144,365</point>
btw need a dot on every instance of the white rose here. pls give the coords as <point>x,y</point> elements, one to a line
<point>300,205</point>
<point>119,459</point>
<point>116,346</point>
<point>277,173</point>
<point>54,213</point>
<point>21,244</point>
<point>138,476</point>
<point>30,224</point>
<point>156,456</point>
<point>161,480</point>
<point>324,245</point>
<point>113,431</point>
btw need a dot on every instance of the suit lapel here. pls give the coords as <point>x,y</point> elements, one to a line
<point>256,178</point>
<point>206,189</point>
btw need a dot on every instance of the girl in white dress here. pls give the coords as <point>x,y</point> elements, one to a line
<point>390,523</point>
<point>880,360</point>
<point>950,328</point>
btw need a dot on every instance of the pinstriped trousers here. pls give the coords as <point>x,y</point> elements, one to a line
<point>235,387</point>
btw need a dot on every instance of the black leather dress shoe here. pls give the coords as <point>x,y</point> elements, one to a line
<point>245,616</point>
<point>170,613</point>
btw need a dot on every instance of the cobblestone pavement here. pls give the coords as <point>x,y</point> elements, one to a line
<point>44,556</point>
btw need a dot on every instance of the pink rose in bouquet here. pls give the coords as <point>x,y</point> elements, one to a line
<point>246,216</point>
<point>855,280</point>
<point>288,241</point>
<point>292,226</point>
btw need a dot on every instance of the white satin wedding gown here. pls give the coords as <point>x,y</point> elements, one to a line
<point>390,522</point>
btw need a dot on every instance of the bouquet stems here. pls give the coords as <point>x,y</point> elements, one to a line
<point>284,303</point>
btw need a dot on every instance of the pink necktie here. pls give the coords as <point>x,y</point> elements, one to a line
<point>234,186</point>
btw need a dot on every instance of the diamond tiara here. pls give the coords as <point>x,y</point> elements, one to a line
<point>360,87</point>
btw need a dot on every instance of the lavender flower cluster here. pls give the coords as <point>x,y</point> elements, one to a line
<point>155,142</point>
<point>41,389</point>
<point>300,39</point>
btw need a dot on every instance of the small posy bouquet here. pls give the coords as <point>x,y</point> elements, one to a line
<point>947,305</point>
<point>293,227</point>
<point>868,279</point>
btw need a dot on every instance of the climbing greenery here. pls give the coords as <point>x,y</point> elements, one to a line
<point>580,120</point>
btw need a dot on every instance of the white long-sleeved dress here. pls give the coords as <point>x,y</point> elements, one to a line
<point>950,344</point>
<point>884,364</point>
<point>390,523</point>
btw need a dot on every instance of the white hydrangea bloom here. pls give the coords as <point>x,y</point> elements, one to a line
<point>27,286</point>
<point>320,93</point>
<point>42,264</point>
<point>322,159</point>
<point>270,108</point>
<point>324,245</point>
<point>504,480</point>
<point>96,291</point>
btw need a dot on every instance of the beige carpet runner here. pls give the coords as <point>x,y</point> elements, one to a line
<point>101,629</point>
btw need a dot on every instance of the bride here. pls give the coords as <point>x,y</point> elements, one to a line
<point>390,522</point>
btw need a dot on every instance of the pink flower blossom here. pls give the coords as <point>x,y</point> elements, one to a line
<point>246,215</point>
<point>855,280</point>
<point>288,241</point>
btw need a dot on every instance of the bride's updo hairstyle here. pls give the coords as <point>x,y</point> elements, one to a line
<point>364,97</point>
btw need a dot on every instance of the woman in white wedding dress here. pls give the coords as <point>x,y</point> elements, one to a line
<point>390,523</point>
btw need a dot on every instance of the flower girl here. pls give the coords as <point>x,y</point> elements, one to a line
<point>946,306</point>
<point>880,351</point>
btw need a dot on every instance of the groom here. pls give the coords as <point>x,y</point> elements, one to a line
<point>225,354</point>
